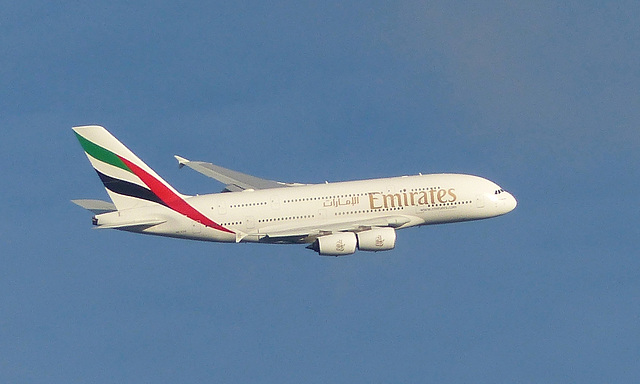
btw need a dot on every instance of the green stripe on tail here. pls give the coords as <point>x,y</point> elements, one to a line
<point>99,153</point>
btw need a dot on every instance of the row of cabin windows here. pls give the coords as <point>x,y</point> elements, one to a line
<point>325,197</point>
<point>398,208</point>
<point>352,195</point>
<point>248,205</point>
<point>331,197</point>
<point>276,219</point>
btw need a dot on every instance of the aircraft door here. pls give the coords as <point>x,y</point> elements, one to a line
<point>250,222</point>
<point>222,208</point>
<point>196,227</point>
<point>480,201</point>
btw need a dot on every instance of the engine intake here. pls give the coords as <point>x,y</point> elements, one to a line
<point>337,244</point>
<point>377,239</point>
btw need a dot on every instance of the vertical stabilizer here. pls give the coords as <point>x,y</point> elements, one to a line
<point>128,180</point>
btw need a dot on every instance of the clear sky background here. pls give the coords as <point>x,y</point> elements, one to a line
<point>542,98</point>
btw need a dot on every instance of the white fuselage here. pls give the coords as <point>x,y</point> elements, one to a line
<point>302,213</point>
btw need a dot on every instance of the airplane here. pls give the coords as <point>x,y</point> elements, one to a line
<point>333,219</point>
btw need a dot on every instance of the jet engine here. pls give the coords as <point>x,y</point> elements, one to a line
<point>337,244</point>
<point>377,239</point>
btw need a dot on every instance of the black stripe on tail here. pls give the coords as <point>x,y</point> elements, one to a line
<point>128,189</point>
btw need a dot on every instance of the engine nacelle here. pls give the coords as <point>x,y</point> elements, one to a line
<point>337,244</point>
<point>377,239</point>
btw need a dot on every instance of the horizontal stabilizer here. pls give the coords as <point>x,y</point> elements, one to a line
<point>132,224</point>
<point>96,206</point>
<point>234,180</point>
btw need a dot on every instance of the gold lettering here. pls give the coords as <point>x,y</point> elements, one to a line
<point>413,196</point>
<point>372,199</point>
<point>392,199</point>
<point>453,195</point>
<point>433,200</point>
<point>424,198</point>
<point>403,199</point>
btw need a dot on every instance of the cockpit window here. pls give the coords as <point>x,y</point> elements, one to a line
<point>498,191</point>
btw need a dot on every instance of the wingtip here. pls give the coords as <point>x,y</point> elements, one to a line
<point>181,161</point>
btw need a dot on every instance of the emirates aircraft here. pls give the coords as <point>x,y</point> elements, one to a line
<point>334,219</point>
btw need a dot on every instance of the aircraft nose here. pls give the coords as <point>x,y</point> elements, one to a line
<point>511,202</point>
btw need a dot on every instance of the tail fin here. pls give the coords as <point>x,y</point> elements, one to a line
<point>129,181</point>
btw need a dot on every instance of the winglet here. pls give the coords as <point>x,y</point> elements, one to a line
<point>181,161</point>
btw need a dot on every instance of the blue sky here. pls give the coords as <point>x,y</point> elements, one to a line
<point>539,97</point>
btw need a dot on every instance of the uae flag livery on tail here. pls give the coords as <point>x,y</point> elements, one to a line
<point>129,182</point>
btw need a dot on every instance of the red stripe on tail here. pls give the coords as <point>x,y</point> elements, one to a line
<point>172,200</point>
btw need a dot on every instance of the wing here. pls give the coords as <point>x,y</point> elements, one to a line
<point>284,234</point>
<point>234,181</point>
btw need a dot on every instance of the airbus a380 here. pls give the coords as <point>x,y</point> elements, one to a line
<point>334,219</point>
